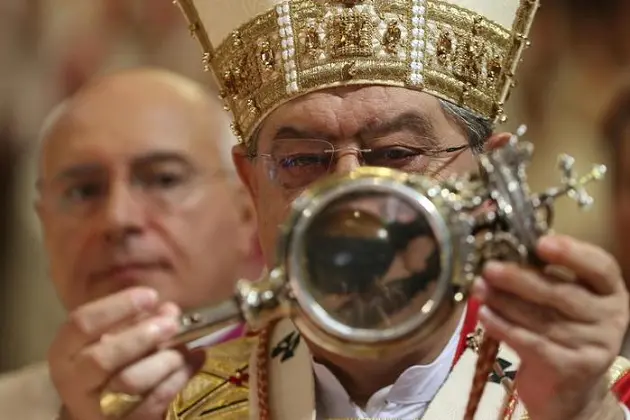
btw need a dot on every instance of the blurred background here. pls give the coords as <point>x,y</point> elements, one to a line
<point>579,60</point>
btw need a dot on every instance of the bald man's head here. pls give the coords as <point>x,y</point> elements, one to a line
<point>116,96</point>
<point>134,190</point>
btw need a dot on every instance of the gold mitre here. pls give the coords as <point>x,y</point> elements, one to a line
<point>266,52</point>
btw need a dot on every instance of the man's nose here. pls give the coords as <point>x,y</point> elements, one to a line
<point>123,213</point>
<point>347,161</point>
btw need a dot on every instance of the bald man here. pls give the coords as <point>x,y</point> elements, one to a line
<point>143,217</point>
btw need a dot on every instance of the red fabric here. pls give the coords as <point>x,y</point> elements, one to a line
<point>470,323</point>
<point>621,388</point>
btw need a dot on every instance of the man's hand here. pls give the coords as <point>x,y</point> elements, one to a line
<point>111,344</point>
<point>567,333</point>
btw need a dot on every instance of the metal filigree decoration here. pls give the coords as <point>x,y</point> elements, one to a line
<point>312,43</point>
<point>267,56</point>
<point>520,217</point>
<point>393,37</point>
<point>352,35</point>
<point>444,49</point>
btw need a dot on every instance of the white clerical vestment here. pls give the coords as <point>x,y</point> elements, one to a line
<point>407,398</point>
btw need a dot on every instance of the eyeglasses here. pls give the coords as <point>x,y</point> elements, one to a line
<point>295,164</point>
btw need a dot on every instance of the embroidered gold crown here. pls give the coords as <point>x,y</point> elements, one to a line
<point>266,52</point>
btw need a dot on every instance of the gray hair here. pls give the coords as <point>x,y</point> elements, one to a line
<point>476,128</point>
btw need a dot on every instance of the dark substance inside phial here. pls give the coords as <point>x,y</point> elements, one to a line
<point>372,260</point>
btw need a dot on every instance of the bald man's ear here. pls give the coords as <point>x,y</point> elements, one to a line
<point>42,216</point>
<point>247,229</point>
<point>245,169</point>
<point>37,206</point>
<point>496,141</point>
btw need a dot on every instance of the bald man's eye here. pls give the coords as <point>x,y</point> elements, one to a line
<point>167,180</point>
<point>164,179</point>
<point>84,192</point>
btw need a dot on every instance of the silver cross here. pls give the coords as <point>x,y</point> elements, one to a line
<point>574,185</point>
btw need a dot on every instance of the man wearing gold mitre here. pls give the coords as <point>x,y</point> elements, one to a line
<point>323,87</point>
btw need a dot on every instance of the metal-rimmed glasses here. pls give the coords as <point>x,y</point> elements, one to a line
<point>296,163</point>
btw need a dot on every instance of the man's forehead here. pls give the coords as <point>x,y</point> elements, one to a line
<point>351,111</point>
<point>106,136</point>
<point>369,102</point>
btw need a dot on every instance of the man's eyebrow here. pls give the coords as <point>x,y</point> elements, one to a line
<point>91,169</point>
<point>79,171</point>
<point>161,157</point>
<point>290,133</point>
<point>413,122</point>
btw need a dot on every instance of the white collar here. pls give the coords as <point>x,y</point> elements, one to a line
<point>417,384</point>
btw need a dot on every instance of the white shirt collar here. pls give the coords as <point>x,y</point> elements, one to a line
<point>416,385</point>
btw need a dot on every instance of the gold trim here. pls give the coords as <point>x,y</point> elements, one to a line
<point>197,29</point>
<point>211,394</point>
<point>619,368</point>
<point>520,32</point>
